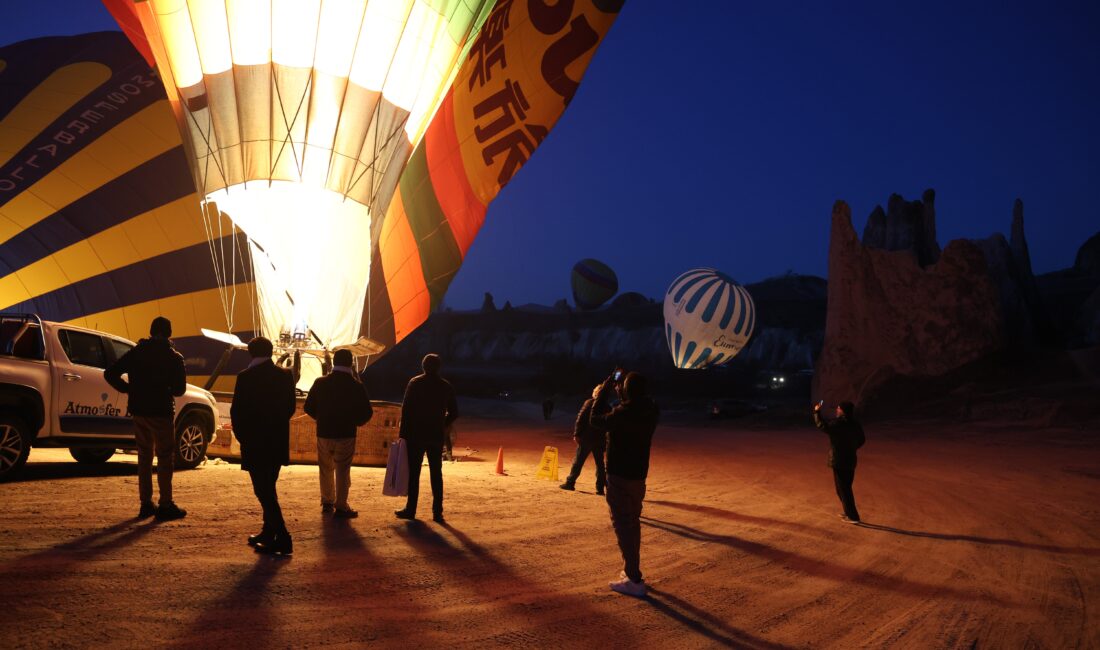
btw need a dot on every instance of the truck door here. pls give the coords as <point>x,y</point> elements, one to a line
<point>85,402</point>
<point>115,349</point>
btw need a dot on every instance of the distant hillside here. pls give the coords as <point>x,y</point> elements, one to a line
<point>536,349</point>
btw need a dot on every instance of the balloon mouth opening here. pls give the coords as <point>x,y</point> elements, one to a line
<point>309,249</point>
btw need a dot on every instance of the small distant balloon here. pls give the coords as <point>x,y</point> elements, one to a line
<point>594,283</point>
<point>708,319</point>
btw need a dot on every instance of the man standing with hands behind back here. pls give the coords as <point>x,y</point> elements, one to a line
<point>263,403</point>
<point>155,377</point>
<point>428,409</point>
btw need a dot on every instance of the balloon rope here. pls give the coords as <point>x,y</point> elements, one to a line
<point>290,125</point>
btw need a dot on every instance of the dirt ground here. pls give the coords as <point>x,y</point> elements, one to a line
<point>973,537</point>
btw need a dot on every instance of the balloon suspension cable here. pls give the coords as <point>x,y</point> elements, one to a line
<point>217,259</point>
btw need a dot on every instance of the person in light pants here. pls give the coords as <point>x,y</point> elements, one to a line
<point>340,404</point>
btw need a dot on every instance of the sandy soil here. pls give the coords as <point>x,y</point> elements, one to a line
<point>977,537</point>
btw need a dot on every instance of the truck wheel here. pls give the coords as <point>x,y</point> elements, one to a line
<point>15,445</point>
<point>91,455</point>
<point>192,437</point>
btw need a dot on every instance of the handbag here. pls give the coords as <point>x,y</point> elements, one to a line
<point>396,483</point>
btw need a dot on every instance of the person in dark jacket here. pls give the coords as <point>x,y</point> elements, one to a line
<point>589,441</point>
<point>156,376</point>
<point>845,437</point>
<point>340,404</point>
<point>428,409</point>
<point>630,427</point>
<point>263,403</point>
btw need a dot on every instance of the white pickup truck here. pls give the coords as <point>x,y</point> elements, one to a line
<point>53,394</point>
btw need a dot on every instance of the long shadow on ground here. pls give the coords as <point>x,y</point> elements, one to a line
<point>360,578</point>
<point>767,522</point>
<point>52,563</point>
<point>824,569</point>
<point>471,561</point>
<point>246,608</point>
<point>705,623</point>
<point>949,537</point>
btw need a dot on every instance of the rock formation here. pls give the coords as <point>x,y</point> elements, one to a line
<point>1088,257</point>
<point>1087,265</point>
<point>1010,270</point>
<point>629,300</point>
<point>905,226</point>
<point>899,306</point>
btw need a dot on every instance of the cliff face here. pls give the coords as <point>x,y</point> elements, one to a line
<point>889,314</point>
<point>1021,309</point>
<point>1071,297</point>
<point>905,226</point>
<point>900,310</point>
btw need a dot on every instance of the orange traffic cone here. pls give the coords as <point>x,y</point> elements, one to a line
<point>500,461</point>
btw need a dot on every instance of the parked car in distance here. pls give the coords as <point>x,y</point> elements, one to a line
<point>733,408</point>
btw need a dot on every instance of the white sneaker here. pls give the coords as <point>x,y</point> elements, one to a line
<point>629,587</point>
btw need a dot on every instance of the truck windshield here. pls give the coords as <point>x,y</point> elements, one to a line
<point>19,338</point>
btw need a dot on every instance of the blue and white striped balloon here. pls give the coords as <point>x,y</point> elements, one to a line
<point>708,319</point>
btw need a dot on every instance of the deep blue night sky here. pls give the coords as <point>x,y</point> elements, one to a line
<point>721,137</point>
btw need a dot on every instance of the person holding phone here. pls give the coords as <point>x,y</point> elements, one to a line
<point>630,427</point>
<point>845,437</point>
<point>590,440</point>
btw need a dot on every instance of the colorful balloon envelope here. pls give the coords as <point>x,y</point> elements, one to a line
<point>100,225</point>
<point>708,319</point>
<point>594,283</point>
<point>358,144</point>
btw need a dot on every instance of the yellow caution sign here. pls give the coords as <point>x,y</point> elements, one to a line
<point>548,466</point>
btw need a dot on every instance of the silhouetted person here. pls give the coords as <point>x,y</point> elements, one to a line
<point>156,376</point>
<point>590,440</point>
<point>263,403</point>
<point>340,404</point>
<point>630,427</point>
<point>845,437</point>
<point>428,409</point>
<point>547,408</point>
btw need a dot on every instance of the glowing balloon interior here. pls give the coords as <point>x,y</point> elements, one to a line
<point>708,319</point>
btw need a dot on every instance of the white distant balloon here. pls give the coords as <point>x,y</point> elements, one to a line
<point>708,318</point>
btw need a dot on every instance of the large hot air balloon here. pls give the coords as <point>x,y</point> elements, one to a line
<point>593,283</point>
<point>708,318</point>
<point>358,144</point>
<point>100,224</point>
